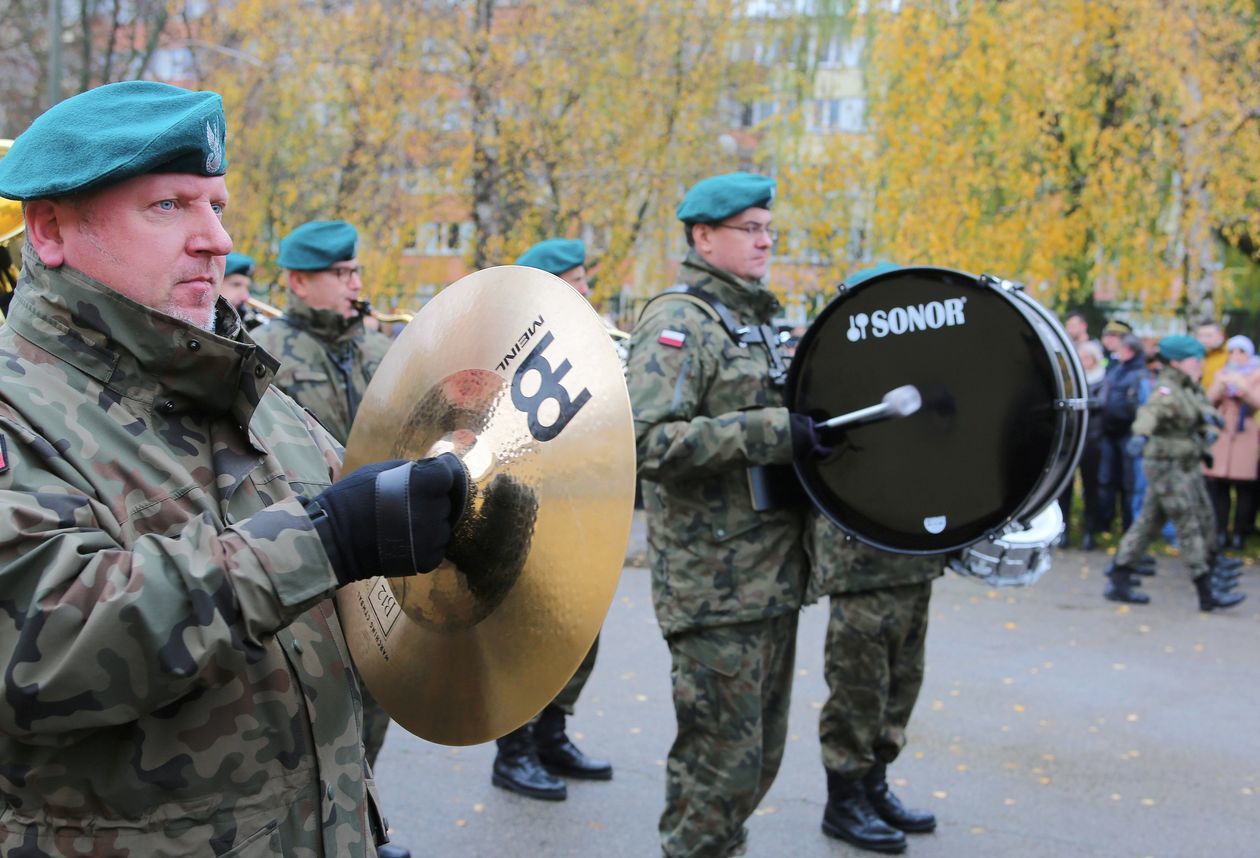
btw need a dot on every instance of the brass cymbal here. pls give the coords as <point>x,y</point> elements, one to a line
<point>511,370</point>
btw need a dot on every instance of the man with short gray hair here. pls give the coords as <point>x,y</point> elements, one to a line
<point>175,676</point>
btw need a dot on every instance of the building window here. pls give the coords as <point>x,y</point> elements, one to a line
<point>837,114</point>
<point>438,238</point>
<point>842,51</point>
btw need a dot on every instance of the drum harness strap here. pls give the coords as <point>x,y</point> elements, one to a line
<point>770,487</point>
<point>743,335</point>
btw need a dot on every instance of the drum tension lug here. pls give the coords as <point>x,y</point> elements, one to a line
<point>1001,283</point>
<point>1071,405</point>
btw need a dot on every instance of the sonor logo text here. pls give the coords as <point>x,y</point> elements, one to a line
<point>906,320</point>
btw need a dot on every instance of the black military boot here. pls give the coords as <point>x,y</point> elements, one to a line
<point>392,850</point>
<point>558,753</point>
<point>850,817</point>
<point>1212,595</point>
<point>517,768</point>
<point>1220,561</point>
<point>1226,577</point>
<point>1120,586</point>
<point>890,808</point>
<point>1145,565</point>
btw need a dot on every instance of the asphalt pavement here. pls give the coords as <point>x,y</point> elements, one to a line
<point>1051,723</point>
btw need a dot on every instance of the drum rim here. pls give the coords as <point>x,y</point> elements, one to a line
<point>1032,310</point>
<point>1036,502</point>
<point>1053,520</point>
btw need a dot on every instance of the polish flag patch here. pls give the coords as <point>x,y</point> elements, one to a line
<point>675,339</point>
<point>4,456</point>
<point>1164,390</point>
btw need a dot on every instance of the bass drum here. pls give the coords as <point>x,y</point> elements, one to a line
<point>1000,429</point>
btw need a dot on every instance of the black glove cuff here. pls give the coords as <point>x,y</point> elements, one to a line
<point>461,489</point>
<point>324,529</point>
<point>393,519</point>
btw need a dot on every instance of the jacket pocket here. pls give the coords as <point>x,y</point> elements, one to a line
<point>377,823</point>
<point>261,844</point>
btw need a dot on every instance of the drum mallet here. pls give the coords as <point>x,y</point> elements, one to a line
<point>898,402</point>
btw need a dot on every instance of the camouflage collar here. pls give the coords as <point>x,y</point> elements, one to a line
<point>155,361</point>
<point>325,325</point>
<point>1172,376</point>
<point>742,296</point>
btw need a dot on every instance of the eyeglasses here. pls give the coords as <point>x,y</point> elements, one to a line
<point>752,230</point>
<point>345,273</point>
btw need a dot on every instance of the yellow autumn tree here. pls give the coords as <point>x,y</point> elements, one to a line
<point>1081,146</point>
<point>586,120</point>
<point>316,108</point>
<point>528,119</point>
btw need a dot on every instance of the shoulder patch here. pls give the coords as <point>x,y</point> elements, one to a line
<point>1164,390</point>
<point>674,339</point>
<point>4,456</point>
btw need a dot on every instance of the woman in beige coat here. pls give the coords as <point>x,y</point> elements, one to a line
<point>1235,391</point>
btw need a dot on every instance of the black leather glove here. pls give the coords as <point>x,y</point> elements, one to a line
<point>809,439</point>
<point>393,518</point>
<point>1134,446</point>
<point>1208,459</point>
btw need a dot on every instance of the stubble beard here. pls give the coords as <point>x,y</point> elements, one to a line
<point>206,320</point>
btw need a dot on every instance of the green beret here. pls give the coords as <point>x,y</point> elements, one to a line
<point>317,245</point>
<point>555,255</point>
<point>112,133</point>
<point>1180,347</point>
<point>238,263</point>
<point>718,197</point>
<point>867,273</point>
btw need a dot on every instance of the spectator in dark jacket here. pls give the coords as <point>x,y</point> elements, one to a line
<point>1091,355</point>
<point>1123,390</point>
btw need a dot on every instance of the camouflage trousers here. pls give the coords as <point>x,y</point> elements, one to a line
<point>1206,513</point>
<point>732,687</point>
<point>873,665</point>
<point>1175,490</point>
<point>566,700</point>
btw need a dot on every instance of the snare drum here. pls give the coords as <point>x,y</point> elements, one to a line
<point>1014,559</point>
<point>1000,429</point>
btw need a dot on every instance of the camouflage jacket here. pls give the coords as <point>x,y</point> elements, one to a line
<point>175,678</point>
<point>1173,418</point>
<point>326,362</point>
<point>704,411</point>
<point>840,565</point>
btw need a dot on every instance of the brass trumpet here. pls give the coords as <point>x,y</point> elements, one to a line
<point>264,309</point>
<point>388,318</point>
<point>366,309</point>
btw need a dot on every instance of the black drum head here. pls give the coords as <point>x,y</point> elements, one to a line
<point>958,469</point>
